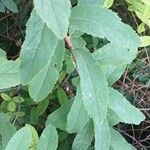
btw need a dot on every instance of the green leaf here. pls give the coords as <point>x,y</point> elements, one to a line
<point>118,142</point>
<point>122,107</point>
<point>55,15</point>
<point>146,12</point>
<point>9,73</point>
<point>112,55</point>
<point>93,85</point>
<point>102,136</point>
<point>59,117</point>
<point>2,8</point>
<point>18,99</point>
<point>61,76</point>
<point>43,83</point>
<point>108,3</point>
<point>10,4</point>
<point>84,138</point>
<point>62,96</point>
<point>5,97</point>
<point>114,60</point>
<point>35,137</point>
<point>6,130</point>
<point>75,81</point>
<point>136,5</point>
<point>36,68</point>
<point>146,2</point>
<point>21,140</point>
<point>62,136</point>
<point>69,63</point>
<point>37,49</point>
<point>89,2</point>
<point>11,106</point>
<point>59,56</point>
<point>20,114</point>
<point>103,23</point>
<point>34,116</point>
<point>141,28</point>
<point>3,105</point>
<point>113,118</point>
<point>48,139</point>
<point>77,116</point>
<point>65,145</point>
<point>77,40</point>
<point>145,41</point>
<point>113,73</point>
<point>42,106</point>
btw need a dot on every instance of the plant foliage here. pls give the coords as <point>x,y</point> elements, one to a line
<point>43,64</point>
